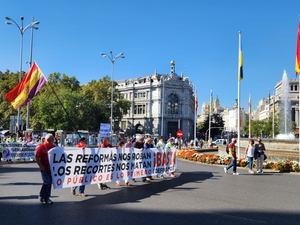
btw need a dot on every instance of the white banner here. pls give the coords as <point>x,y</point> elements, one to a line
<point>18,151</point>
<point>74,167</point>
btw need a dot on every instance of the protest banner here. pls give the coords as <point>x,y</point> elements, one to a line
<point>18,151</point>
<point>74,167</point>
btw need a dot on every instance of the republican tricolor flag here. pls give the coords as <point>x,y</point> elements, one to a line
<point>29,86</point>
<point>240,67</point>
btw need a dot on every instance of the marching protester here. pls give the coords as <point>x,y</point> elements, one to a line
<point>82,144</point>
<point>148,144</point>
<point>104,144</point>
<point>232,154</point>
<point>161,144</point>
<point>133,139</point>
<point>129,144</point>
<point>167,147</point>
<point>260,154</point>
<point>121,144</point>
<point>249,152</point>
<point>139,144</point>
<point>43,162</point>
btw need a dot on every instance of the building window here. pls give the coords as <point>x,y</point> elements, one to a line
<point>139,95</point>
<point>172,104</point>
<point>296,87</point>
<point>291,87</point>
<point>139,109</point>
<point>123,125</point>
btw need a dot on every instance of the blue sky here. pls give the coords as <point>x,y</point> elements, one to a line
<point>201,36</point>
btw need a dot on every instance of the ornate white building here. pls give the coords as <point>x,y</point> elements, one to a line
<point>161,104</point>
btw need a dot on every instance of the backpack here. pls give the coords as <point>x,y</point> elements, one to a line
<point>227,149</point>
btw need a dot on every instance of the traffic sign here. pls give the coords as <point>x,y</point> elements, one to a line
<point>179,133</point>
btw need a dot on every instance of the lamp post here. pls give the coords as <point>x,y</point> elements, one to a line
<point>30,63</point>
<point>22,30</point>
<point>112,59</point>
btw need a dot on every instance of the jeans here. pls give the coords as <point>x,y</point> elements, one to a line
<point>259,162</point>
<point>46,187</point>
<point>81,189</point>
<point>232,164</point>
<point>250,159</point>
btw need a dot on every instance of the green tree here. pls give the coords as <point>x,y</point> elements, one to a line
<point>217,125</point>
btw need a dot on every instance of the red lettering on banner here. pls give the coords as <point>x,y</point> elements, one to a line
<point>157,159</point>
<point>120,175</point>
<point>164,159</point>
<point>100,177</point>
<point>69,180</point>
<point>58,182</point>
<point>174,158</point>
<point>109,176</point>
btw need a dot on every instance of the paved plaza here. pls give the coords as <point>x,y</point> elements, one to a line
<point>200,194</point>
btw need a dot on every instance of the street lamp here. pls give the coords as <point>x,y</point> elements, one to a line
<point>22,30</point>
<point>112,59</point>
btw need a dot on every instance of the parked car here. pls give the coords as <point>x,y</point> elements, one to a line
<point>218,142</point>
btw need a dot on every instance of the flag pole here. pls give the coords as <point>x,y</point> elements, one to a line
<point>195,119</point>
<point>297,69</point>
<point>273,122</point>
<point>299,117</point>
<point>249,113</point>
<point>240,77</point>
<point>210,111</point>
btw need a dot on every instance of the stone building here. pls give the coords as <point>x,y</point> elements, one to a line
<point>161,104</point>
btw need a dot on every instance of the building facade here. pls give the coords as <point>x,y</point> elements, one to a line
<point>161,104</point>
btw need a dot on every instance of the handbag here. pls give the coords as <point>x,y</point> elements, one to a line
<point>265,157</point>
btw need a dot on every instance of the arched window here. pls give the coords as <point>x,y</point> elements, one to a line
<point>173,104</point>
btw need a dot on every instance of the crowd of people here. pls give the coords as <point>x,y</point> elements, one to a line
<point>252,151</point>
<point>139,142</point>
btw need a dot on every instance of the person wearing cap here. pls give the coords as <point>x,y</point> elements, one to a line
<point>168,146</point>
<point>260,154</point>
<point>82,144</point>
<point>232,155</point>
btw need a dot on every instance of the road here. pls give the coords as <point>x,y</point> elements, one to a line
<point>200,194</point>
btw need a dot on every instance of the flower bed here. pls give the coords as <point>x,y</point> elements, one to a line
<point>192,155</point>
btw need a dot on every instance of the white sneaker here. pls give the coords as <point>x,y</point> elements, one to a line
<point>225,170</point>
<point>236,174</point>
<point>99,186</point>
